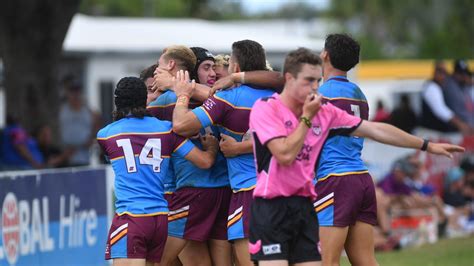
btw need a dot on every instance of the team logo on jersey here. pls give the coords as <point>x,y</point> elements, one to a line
<point>288,124</point>
<point>317,130</point>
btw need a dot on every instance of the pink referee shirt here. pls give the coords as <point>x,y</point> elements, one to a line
<point>270,119</point>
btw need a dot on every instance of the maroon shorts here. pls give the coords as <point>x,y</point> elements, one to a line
<point>137,237</point>
<point>239,215</point>
<point>168,196</point>
<point>343,200</point>
<point>199,213</point>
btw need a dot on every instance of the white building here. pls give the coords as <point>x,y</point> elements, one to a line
<point>101,50</point>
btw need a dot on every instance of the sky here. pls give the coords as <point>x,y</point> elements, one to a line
<point>256,6</point>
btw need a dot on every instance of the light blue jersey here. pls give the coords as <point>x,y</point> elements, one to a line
<point>140,150</point>
<point>341,155</point>
<point>230,111</point>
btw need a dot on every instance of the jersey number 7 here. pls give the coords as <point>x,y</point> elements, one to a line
<point>154,159</point>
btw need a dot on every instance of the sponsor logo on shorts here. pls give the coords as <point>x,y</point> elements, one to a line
<point>271,249</point>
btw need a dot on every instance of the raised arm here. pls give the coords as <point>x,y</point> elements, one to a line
<point>388,134</point>
<point>185,122</point>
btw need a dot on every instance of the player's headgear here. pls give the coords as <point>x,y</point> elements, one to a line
<point>201,56</point>
<point>131,92</point>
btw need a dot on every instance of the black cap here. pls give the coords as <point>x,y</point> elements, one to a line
<point>461,67</point>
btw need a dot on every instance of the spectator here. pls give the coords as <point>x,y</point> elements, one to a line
<point>78,125</point>
<point>458,198</point>
<point>19,150</point>
<point>403,115</point>
<point>398,187</point>
<point>53,156</point>
<point>381,115</point>
<point>455,93</point>
<point>436,114</point>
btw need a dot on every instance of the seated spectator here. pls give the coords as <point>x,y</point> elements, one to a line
<point>399,187</point>
<point>53,156</point>
<point>19,150</point>
<point>436,113</point>
<point>403,115</point>
<point>458,201</point>
<point>381,115</point>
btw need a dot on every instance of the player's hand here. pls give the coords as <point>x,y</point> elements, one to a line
<point>311,105</point>
<point>181,84</point>
<point>222,84</point>
<point>445,149</point>
<point>209,142</point>
<point>163,80</point>
<point>227,146</point>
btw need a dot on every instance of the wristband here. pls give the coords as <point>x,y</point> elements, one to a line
<point>306,121</point>
<point>242,78</point>
<point>424,147</point>
<point>183,98</point>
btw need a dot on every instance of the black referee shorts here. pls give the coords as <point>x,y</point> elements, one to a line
<point>284,228</point>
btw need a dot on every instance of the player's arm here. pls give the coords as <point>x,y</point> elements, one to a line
<point>388,134</point>
<point>231,148</point>
<point>201,92</point>
<point>205,158</point>
<point>260,78</point>
<point>185,122</point>
<point>285,149</point>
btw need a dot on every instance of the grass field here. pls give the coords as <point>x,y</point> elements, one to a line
<point>446,252</point>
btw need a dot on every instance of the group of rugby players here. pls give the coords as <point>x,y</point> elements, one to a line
<point>219,161</point>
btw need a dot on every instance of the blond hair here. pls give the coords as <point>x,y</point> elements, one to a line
<point>184,57</point>
<point>222,60</point>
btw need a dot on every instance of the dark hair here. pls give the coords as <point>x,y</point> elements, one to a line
<point>201,56</point>
<point>250,55</point>
<point>343,51</point>
<point>296,58</point>
<point>130,98</point>
<point>148,72</point>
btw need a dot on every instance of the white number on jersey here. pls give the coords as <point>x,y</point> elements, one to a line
<point>150,154</point>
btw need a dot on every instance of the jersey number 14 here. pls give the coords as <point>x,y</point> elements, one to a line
<point>150,154</point>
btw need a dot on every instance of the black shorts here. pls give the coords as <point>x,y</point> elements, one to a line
<point>284,229</point>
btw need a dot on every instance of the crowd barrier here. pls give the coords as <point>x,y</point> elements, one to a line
<point>54,217</point>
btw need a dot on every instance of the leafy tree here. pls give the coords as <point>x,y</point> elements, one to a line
<point>403,28</point>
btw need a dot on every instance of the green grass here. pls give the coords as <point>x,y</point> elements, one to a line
<point>446,252</point>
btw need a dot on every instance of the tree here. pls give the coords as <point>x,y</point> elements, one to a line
<point>31,35</point>
<point>404,29</point>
